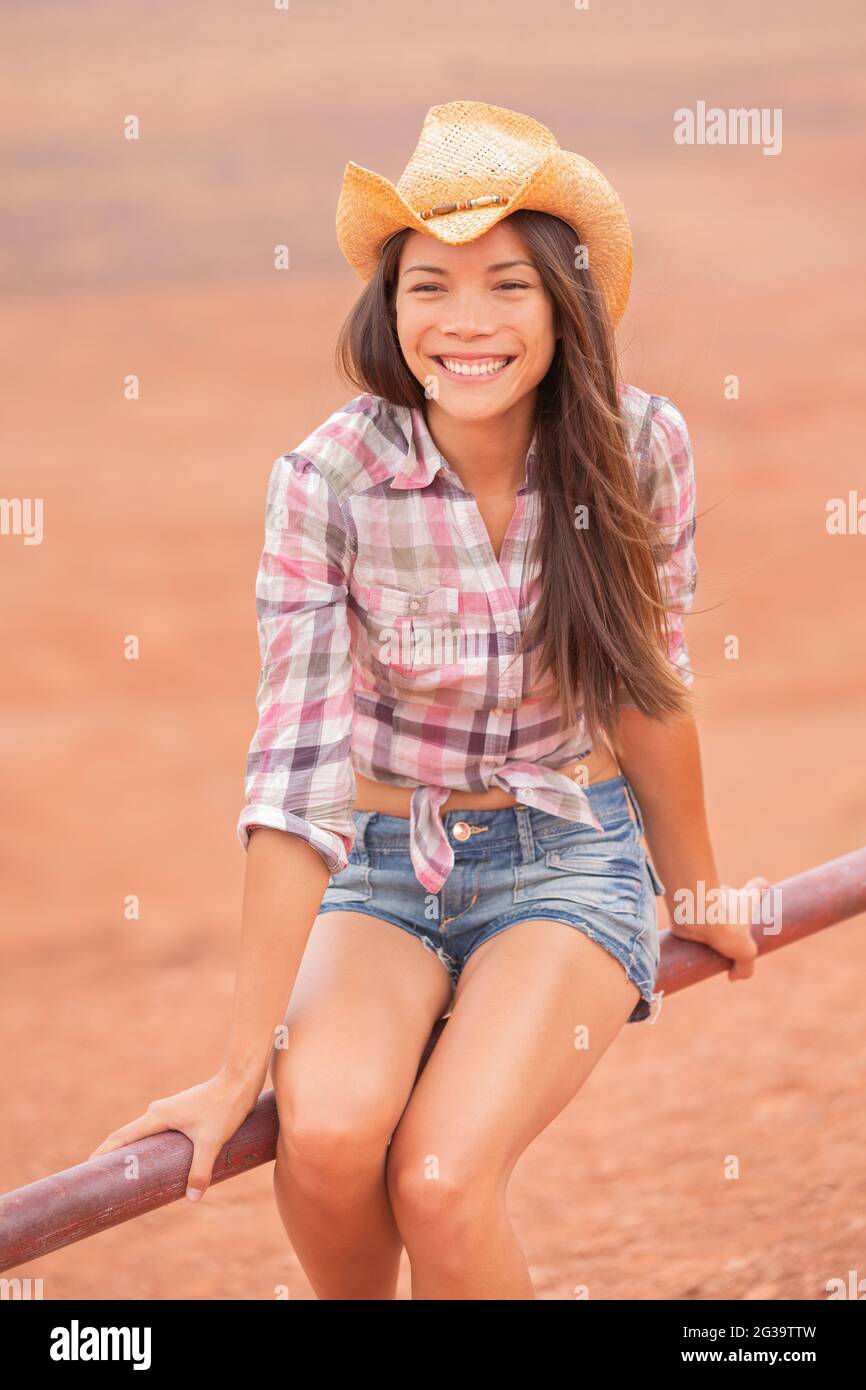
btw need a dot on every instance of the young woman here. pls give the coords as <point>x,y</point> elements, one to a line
<point>474,697</point>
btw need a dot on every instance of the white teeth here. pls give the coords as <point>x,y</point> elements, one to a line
<point>474,368</point>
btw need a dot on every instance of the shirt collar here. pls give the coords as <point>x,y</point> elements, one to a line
<point>422,460</point>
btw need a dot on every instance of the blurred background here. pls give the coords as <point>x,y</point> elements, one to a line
<point>123,779</point>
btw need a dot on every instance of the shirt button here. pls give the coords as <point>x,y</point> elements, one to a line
<point>508,630</point>
<point>512,694</point>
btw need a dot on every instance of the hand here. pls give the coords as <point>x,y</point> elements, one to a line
<point>208,1114</point>
<point>731,937</point>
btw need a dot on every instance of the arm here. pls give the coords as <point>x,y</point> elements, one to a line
<point>663,764</point>
<point>284,882</point>
<point>668,489</point>
<point>297,824</point>
<point>299,775</point>
<point>661,758</point>
<point>283,886</point>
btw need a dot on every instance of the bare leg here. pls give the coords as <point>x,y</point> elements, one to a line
<point>508,1060</point>
<point>363,1005</point>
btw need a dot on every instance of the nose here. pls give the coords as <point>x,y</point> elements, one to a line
<point>467,315</point>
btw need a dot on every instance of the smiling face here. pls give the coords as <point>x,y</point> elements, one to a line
<point>475,322</point>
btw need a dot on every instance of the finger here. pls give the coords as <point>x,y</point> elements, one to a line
<point>201,1171</point>
<point>139,1128</point>
<point>742,969</point>
<point>761,884</point>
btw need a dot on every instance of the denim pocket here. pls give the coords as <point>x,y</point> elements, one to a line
<point>618,833</point>
<point>351,885</point>
<point>605,882</point>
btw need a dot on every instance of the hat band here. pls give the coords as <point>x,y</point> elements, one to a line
<point>484,201</point>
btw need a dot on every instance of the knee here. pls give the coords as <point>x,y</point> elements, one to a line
<point>438,1207</point>
<point>331,1142</point>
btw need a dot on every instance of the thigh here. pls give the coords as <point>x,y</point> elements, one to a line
<point>363,1004</point>
<point>535,1009</point>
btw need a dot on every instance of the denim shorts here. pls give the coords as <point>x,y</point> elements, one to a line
<point>522,864</point>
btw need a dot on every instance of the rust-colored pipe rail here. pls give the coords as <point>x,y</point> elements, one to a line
<point>88,1198</point>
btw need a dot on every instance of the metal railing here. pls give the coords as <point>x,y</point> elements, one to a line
<point>90,1197</point>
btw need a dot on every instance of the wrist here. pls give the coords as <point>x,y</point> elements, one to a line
<point>693,906</point>
<point>689,931</point>
<point>245,1081</point>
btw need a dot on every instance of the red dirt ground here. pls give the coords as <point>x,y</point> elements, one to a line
<point>125,777</point>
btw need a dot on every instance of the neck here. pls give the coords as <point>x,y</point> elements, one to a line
<point>488,456</point>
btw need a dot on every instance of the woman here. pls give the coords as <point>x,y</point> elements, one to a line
<point>474,688</point>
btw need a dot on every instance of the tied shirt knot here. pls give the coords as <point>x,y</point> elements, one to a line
<point>542,788</point>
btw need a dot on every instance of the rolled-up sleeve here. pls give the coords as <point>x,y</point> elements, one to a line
<point>669,489</point>
<point>299,773</point>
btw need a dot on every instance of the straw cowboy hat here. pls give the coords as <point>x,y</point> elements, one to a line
<point>473,165</point>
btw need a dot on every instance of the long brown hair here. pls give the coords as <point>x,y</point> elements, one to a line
<point>600,616</point>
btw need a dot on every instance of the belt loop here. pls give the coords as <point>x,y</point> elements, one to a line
<point>635,803</point>
<point>524,834</point>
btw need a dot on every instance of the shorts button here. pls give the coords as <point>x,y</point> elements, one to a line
<point>461,831</point>
<point>414,603</point>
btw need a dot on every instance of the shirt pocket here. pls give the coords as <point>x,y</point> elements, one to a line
<point>415,637</point>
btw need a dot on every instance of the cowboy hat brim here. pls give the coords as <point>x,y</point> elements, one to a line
<point>370,210</point>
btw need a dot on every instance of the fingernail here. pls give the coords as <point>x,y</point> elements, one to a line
<point>193,1193</point>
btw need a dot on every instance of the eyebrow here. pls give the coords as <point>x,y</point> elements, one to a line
<point>491,269</point>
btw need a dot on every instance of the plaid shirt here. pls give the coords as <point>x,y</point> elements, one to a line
<point>387,630</point>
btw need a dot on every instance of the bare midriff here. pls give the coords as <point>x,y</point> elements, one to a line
<point>600,765</point>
